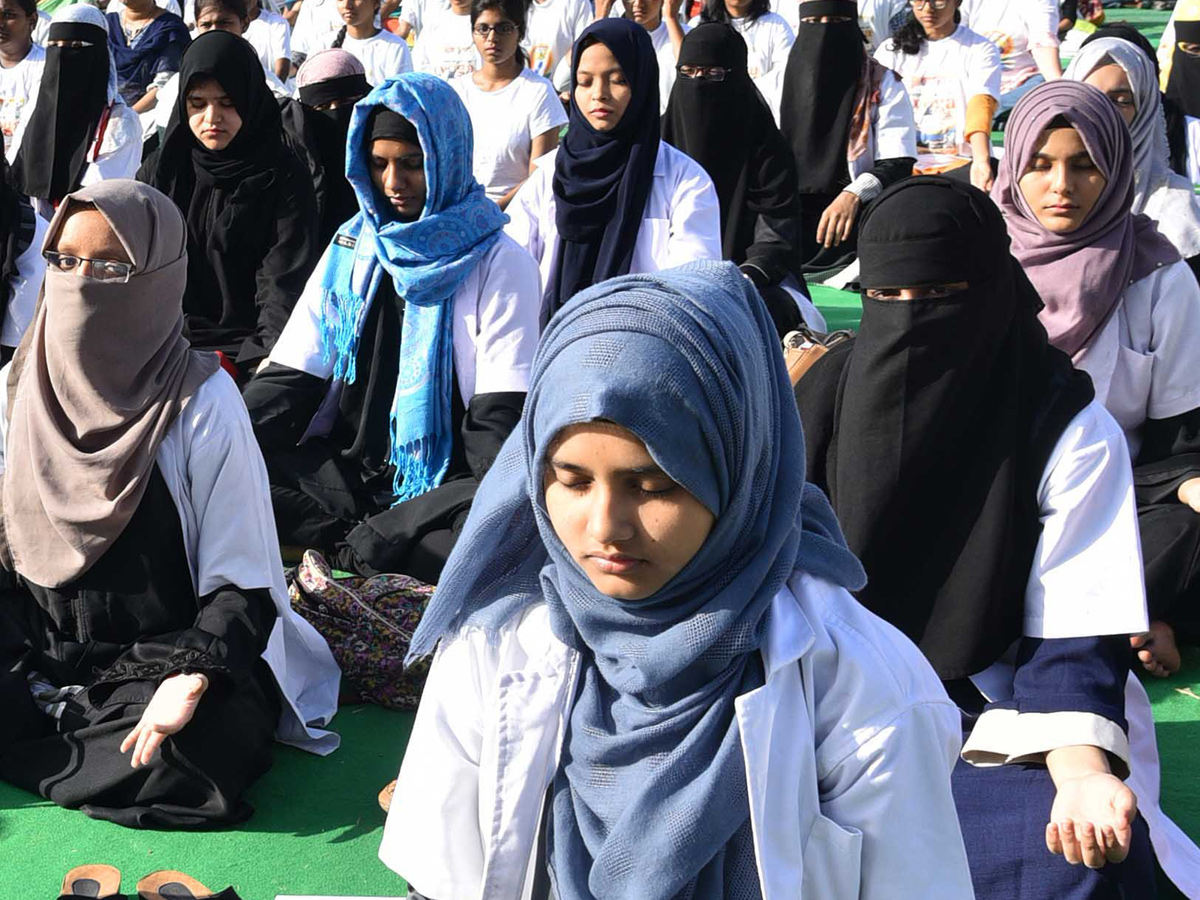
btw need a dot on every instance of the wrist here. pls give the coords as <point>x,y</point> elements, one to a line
<point>1067,763</point>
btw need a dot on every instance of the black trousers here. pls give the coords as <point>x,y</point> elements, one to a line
<point>1171,557</point>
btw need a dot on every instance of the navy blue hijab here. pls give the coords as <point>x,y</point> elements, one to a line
<point>602,179</point>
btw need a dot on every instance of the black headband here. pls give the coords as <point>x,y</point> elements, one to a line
<point>344,87</point>
<point>77,31</point>
<point>387,124</point>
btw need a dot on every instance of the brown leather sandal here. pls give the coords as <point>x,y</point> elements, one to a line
<point>171,885</point>
<point>92,881</point>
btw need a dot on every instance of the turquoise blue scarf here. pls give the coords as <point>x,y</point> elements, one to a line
<point>427,260</point>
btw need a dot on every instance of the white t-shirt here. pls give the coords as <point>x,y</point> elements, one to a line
<point>169,5</point>
<point>446,47</point>
<point>768,39</point>
<point>663,49</point>
<point>18,95</point>
<point>1016,27</point>
<point>415,12</point>
<point>505,122</point>
<point>940,79</point>
<point>383,55</point>
<point>551,28</point>
<point>271,37</point>
<point>314,22</point>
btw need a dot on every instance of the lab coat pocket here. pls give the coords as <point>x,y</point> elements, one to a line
<point>832,861</point>
<point>1129,393</point>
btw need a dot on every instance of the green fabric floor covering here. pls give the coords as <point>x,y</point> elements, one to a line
<point>317,825</point>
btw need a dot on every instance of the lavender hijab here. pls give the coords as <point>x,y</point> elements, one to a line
<point>1080,275</point>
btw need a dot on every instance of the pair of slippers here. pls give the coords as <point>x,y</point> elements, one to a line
<point>100,882</point>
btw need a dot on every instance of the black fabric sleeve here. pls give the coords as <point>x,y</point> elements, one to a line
<point>281,402</point>
<point>229,634</point>
<point>415,538</point>
<point>1170,455</point>
<point>773,255</point>
<point>291,256</point>
<point>889,171</point>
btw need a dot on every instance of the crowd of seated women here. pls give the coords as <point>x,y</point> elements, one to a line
<point>700,629</point>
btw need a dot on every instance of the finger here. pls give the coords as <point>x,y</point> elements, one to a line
<point>1066,830</point>
<point>821,226</point>
<point>847,227</point>
<point>153,743</point>
<point>1089,847</point>
<point>137,750</point>
<point>1119,848</point>
<point>1053,841</point>
<point>131,738</point>
<point>1125,808</point>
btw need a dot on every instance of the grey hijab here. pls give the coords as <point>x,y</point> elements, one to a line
<point>101,375</point>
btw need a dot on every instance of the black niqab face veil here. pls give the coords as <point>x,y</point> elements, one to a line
<point>931,430</point>
<point>601,179</point>
<point>727,127</point>
<point>1183,85</point>
<point>72,99</point>
<point>820,85</point>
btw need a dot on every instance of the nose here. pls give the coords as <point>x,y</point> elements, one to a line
<point>393,179</point>
<point>1060,180</point>
<point>609,519</point>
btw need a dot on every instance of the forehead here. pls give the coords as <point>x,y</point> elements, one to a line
<point>85,231</point>
<point>206,88</point>
<point>598,58</point>
<point>1109,77</point>
<point>388,148</point>
<point>1060,142</point>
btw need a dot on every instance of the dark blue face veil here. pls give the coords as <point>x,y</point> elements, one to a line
<point>602,179</point>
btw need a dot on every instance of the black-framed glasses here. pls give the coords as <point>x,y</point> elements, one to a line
<point>503,29</point>
<point>704,73</point>
<point>933,4</point>
<point>109,270</point>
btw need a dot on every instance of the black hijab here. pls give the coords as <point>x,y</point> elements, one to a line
<point>1183,84</point>
<point>931,430</point>
<point>727,127</point>
<point>18,224</point>
<point>602,180</point>
<point>72,98</point>
<point>820,85</point>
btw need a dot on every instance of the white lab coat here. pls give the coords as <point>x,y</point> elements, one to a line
<point>26,286</point>
<point>848,750</point>
<point>681,223</point>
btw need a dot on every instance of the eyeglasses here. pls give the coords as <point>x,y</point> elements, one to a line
<point>503,29</point>
<point>704,73</point>
<point>109,270</point>
<point>933,4</point>
<point>1189,48</point>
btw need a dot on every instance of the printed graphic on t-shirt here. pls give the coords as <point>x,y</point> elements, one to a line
<point>10,114</point>
<point>935,109</point>
<point>1006,45</point>
<point>541,60</point>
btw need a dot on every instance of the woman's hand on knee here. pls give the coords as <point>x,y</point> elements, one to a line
<point>1189,493</point>
<point>837,221</point>
<point>1091,821</point>
<point>172,707</point>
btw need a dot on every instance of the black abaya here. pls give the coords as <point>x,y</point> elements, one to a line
<point>251,211</point>
<point>130,621</point>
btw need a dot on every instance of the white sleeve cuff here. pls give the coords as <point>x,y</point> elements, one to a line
<point>866,187</point>
<point>1005,736</point>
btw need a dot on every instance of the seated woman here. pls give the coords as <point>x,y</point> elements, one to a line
<point>251,213</point>
<point>22,268</point>
<point>831,87</point>
<point>1126,308</point>
<point>515,114</point>
<point>329,84</point>
<point>405,365</point>
<point>953,79</point>
<point>1126,74</point>
<point>147,43</point>
<point>1183,89</point>
<point>989,497</point>
<point>80,131</point>
<point>767,35</point>
<point>446,44</point>
<point>614,198</point>
<point>696,690</point>
<point>1026,34</point>
<point>725,126</point>
<point>382,53</point>
<point>150,611</point>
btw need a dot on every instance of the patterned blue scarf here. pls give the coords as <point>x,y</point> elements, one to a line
<point>427,260</point>
<point>650,799</point>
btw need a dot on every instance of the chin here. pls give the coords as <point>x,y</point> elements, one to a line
<point>621,589</point>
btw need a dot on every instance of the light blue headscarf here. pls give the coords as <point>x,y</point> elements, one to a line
<point>427,259</point>
<point>650,801</point>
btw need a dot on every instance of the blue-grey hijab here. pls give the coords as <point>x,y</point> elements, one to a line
<point>650,798</point>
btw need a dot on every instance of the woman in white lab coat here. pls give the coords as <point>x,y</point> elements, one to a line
<point>614,199</point>
<point>656,684</point>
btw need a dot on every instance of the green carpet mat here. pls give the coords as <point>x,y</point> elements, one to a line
<point>315,830</point>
